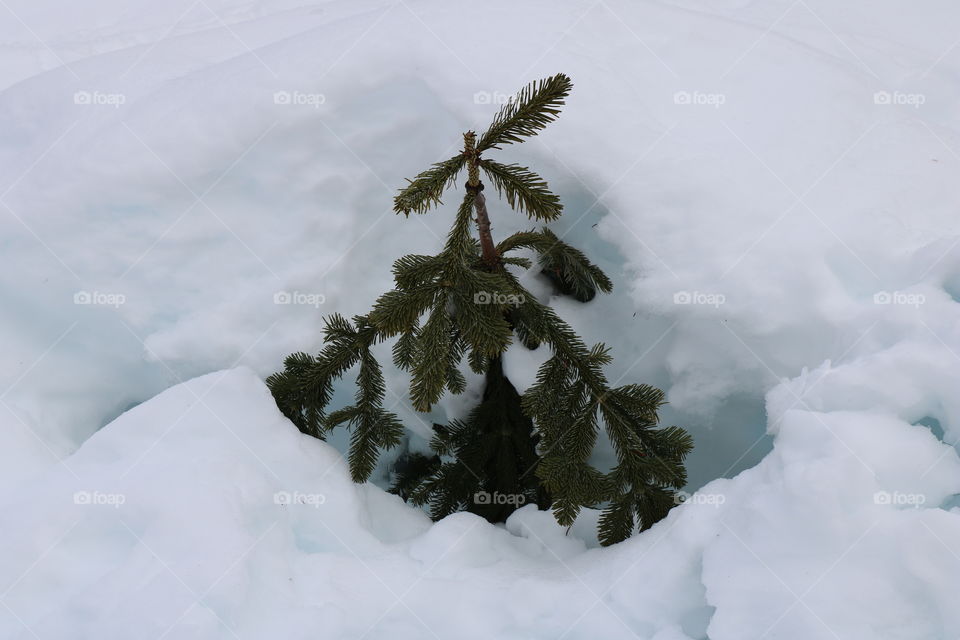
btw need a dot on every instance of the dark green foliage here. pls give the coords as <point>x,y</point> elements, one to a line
<point>410,470</point>
<point>425,190</point>
<point>570,270</point>
<point>537,105</point>
<point>463,308</point>
<point>303,390</point>
<point>567,267</point>
<point>525,191</point>
<point>493,454</point>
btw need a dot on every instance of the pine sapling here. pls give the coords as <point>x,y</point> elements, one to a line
<point>468,303</point>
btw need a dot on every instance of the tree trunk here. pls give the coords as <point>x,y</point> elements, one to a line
<point>508,472</point>
<point>491,258</point>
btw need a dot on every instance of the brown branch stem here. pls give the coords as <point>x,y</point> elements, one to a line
<point>491,257</point>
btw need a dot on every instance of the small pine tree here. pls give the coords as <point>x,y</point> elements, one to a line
<point>466,303</point>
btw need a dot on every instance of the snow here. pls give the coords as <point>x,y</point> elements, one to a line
<point>770,185</point>
<point>203,513</point>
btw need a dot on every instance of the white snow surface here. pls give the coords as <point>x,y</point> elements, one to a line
<point>771,185</point>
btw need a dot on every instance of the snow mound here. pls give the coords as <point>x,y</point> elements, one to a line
<point>203,513</point>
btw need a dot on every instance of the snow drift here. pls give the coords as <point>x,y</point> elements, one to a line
<point>203,513</point>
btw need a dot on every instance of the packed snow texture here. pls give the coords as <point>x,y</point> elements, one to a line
<point>188,186</point>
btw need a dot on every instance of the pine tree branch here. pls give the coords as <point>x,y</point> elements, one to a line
<point>412,470</point>
<point>433,358</point>
<point>572,268</point>
<point>521,240</point>
<point>405,349</point>
<point>398,311</point>
<point>617,521</point>
<point>412,271</point>
<point>373,426</point>
<point>525,190</point>
<point>566,265</point>
<point>570,391</point>
<point>534,107</point>
<point>460,247</point>
<point>425,190</point>
<point>305,387</point>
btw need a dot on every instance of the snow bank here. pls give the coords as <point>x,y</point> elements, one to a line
<point>203,513</point>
